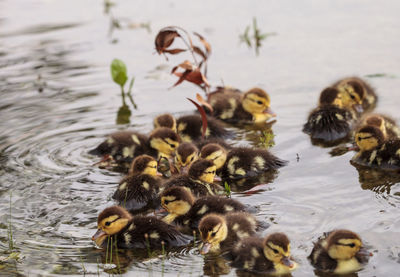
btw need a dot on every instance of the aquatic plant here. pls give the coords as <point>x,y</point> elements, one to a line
<point>267,139</point>
<point>227,188</point>
<point>257,37</point>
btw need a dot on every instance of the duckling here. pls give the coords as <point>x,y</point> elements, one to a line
<point>242,162</point>
<point>215,153</point>
<point>222,232</point>
<point>374,151</point>
<point>233,106</point>
<point>386,124</point>
<point>190,127</point>
<point>340,252</point>
<point>136,232</point>
<point>165,120</point>
<point>187,211</point>
<point>140,188</point>
<point>268,255</point>
<point>356,89</point>
<point>185,155</point>
<point>124,146</point>
<point>199,179</point>
<point>330,121</point>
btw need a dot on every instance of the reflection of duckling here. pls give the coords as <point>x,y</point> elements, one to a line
<point>190,127</point>
<point>140,188</point>
<point>330,121</point>
<point>356,89</point>
<point>185,210</point>
<point>220,233</point>
<point>199,179</point>
<point>340,252</point>
<point>124,146</point>
<point>244,162</point>
<point>374,151</point>
<point>136,232</point>
<point>185,155</point>
<point>269,255</point>
<point>386,124</point>
<point>233,106</point>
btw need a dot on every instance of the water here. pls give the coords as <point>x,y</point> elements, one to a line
<point>58,101</point>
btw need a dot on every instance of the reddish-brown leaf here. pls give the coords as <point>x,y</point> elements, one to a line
<point>203,117</point>
<point>164,39</point>
<point>193,76</point>
<point>182,77</point>
<point>202,101</point>
<point>200,52</point>
<point>204,42</point>
<point>174,51</point>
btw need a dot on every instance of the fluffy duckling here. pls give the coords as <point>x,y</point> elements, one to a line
<point>187,211</point>
<point>386,124</point>
<point>136,232</point>
<point>233,106</point>
<point>185,155</point>
<point>374,151</point>
<point>215,153</point>
<point>199,179</point>
<point>242,162</point>
<point>340,252</point>
<point>124,146</point>
<point>355,89</point>
<point>165,120</point>
<point>140,188</point>
<point>268,255</point>
<point>220,233</point>
<point>330,121</point>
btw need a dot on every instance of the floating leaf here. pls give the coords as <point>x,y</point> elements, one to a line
<point>164,39</point>
<point>203,117</point>
<point>118,72</point>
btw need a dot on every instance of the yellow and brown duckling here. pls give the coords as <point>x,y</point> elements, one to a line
<point>184,210</point>
<point>216,153</point>
<point>185,155</point>
<point>234,106</point>
<point>386,124</point>
<point>340,252</point>
<point>221,232</point>
<point>136,232</point>
<point>165,120</point>
<point>199,179</point>
<point>355,89</point>
<point>375,151</point>
<point>331,121</point>
<point>243,162</point>
<point>140,188</point>
<point>269,255</point>
<point>124,146</point>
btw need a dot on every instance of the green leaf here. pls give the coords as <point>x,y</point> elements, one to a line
<point>119,72</point>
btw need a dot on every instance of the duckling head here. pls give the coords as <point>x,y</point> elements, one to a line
<point>177,201</point>
<point>109,222</point>
<point>257,102</point>
<point>368,138</point>
<point>376,121</point>
<point>165,141</point>
<point>213,230</point>
<point>144,164</point>
<point>277,250</point>
<point>185,154</point>
<point>203,170</point>
<point>352,95</point>
<point>330,96</point>
<point>344,245</point>
<point>214,152</point>
<point>165,120</point>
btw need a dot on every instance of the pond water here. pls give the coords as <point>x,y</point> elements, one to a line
<point>58,101</point>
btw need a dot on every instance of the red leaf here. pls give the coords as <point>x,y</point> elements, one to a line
<point>203,117</point>
<point>200,52</point>
<point>174,51</point>
<point>164,39</point>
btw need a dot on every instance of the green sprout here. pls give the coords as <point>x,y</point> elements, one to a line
<point>227,189</point>
<point>256,38</point>
<point>267,139</point>
<point>120,76</point>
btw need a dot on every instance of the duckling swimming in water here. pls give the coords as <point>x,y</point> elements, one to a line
<point>222,232</point>
<point>136,232</point>
<point>139,190</point>
<point>340,252</point>
<point>124,146</point>
<point>199,179</point>
<point>165,120</point>
<point>233,106</point>
<point>215,153</point>
<point>268,255</point>
<point>187,211</point>
<point>185,155</point>
<point>386,124</point>
<point>374,151</point>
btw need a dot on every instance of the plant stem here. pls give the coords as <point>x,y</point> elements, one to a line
<point>10,236</point>
<point>123,96</point>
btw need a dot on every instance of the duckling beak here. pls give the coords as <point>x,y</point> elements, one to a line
<point>217,178</point>
<point>159,174</point>
<point>287,262</point>
<point>98,237</point>
<point>364,252</point>
<point>353,148</point>
<point>184,169</point>
<point>358,108</point>
<point>205,248</point>
<point>269,111</point>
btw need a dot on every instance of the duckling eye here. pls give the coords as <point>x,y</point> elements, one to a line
<point>166,202</point>
<point>108,223</point>
<point>191,159</point>
<point>259,102</point>
<point>275,251</point>
<point>352,245</point>
<point>352,96</point>
<point>213,234</point>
